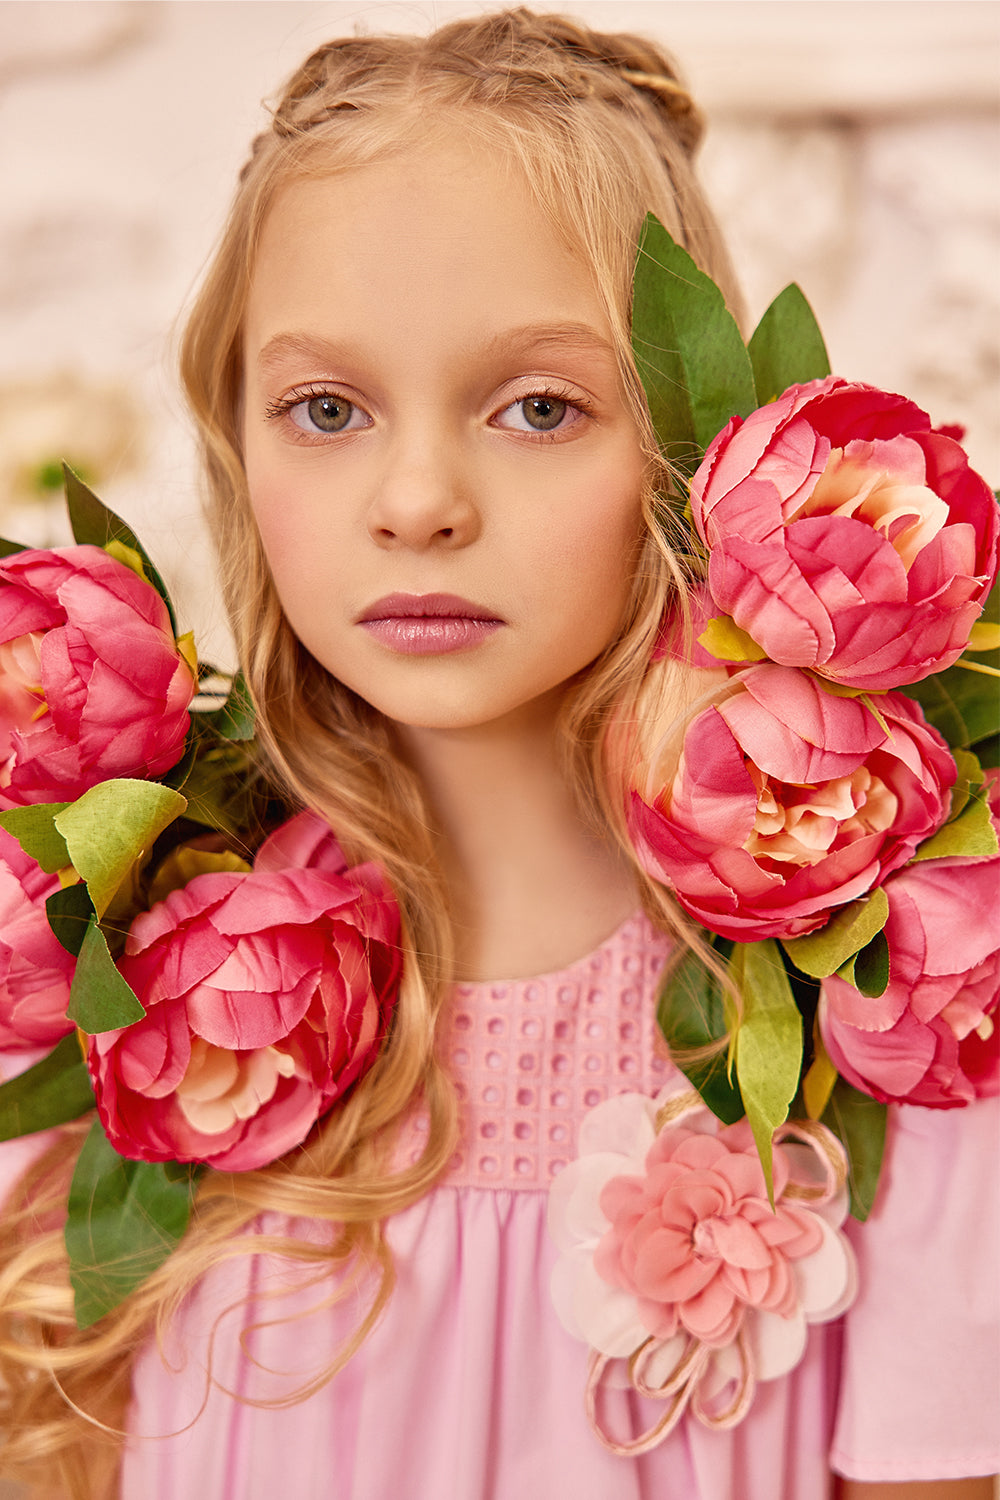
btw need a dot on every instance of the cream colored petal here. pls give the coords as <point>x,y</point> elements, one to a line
<point>574,1209</point>
<point>775,1344</point>
<point>605,1315</point>
<point>623,1124</point>
<point>826,1280</point>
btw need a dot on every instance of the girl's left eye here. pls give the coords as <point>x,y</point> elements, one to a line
<point>327,413</point>
<point>539,414</point>
<point>320,413</point>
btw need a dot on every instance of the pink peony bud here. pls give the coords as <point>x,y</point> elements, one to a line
<point>846,535</point>
<point>35,969</point>
<point>787,802</point>
<point>91,682</point>
<point>932,1037</point>
<point>267,995</point>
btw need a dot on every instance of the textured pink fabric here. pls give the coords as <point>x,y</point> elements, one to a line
<point>531,1057</point>
<point>469,1389</point>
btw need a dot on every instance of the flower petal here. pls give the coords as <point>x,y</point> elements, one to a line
<point>826,1281</point>
<point>776,1344</point>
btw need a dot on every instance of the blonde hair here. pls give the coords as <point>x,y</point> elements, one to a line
<point>602,130</point>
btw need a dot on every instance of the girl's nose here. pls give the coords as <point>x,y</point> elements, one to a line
<point>423,500</point>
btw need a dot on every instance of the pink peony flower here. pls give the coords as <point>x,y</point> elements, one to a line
<point>35,969</point>
<point>305,842</point>
<point>672,1257</point>
<point>846,535</point>
<point>267,993</point>
<point>787,802</point>
<point>932,1037</point>
<point>91,682</point>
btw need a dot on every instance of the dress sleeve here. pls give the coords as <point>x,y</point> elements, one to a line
<point>920,1392</point>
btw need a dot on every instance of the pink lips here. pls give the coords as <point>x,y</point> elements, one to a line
<point>428,624</point>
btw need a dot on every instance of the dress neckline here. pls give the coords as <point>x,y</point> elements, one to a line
<point>636,919</point>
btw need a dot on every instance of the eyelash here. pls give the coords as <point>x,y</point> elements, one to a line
<point>549,392</point>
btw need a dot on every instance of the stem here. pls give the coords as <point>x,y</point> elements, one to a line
<point>978,666</point>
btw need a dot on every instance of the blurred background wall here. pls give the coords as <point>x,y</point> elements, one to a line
<point>853,148</point>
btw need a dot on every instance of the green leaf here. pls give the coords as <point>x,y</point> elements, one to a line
<point>859,1122</point>
<point>988,750</point>
<point>220,785</point>
<point>787,347</point>
<point>961,705</point>
<point>99,998</point>
<point>692,1014</point>
<point>235,718</point>
<point>70,912</point>
<point>35,831</point>
<point>125,1219</point>
<point>93,522</point>
<point>723,639</point>
<point>691,358</point>
<point>850,929</point>
<point>971,835</point>
<point>768,1043</point>
<point>970,775</point>
<point>8,548</point>
<point>868,970</point>
<point>181,769</point>
<point>55,1090</point>
<point>109,827</point>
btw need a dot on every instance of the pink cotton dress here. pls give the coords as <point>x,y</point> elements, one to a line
<point>469,1388</point>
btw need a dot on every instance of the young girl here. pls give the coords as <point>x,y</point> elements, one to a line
<point>432,474</point>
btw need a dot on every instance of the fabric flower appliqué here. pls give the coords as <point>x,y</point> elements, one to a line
<point>676,1270</point>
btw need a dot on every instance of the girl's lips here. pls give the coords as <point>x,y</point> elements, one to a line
<point>428,624</point>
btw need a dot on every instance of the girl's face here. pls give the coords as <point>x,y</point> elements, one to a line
<point>440,459</point>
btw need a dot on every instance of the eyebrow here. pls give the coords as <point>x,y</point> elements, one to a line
<point>579,337</point>
<point>576,336</point>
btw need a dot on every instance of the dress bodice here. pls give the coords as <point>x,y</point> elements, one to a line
<point>530,1057</point>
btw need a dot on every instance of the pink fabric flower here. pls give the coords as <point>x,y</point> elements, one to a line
<point>35,969</point>
<point>672,1257</point>
<point>846,535</point>
<point>267,994</point>
<point>305,842</point>
<point>91,682</point>
<point>789,801</point>
<point>932,1037</point>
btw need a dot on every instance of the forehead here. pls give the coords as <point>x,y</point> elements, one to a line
<point>438,235</point>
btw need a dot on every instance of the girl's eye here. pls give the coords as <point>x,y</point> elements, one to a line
<point>543,412</point>
<point>327,414</point>
<point>539,414</point>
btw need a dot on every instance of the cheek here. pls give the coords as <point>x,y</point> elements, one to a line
<point>283,520</point>
<point>601,545</point>
<point>265,492</point>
